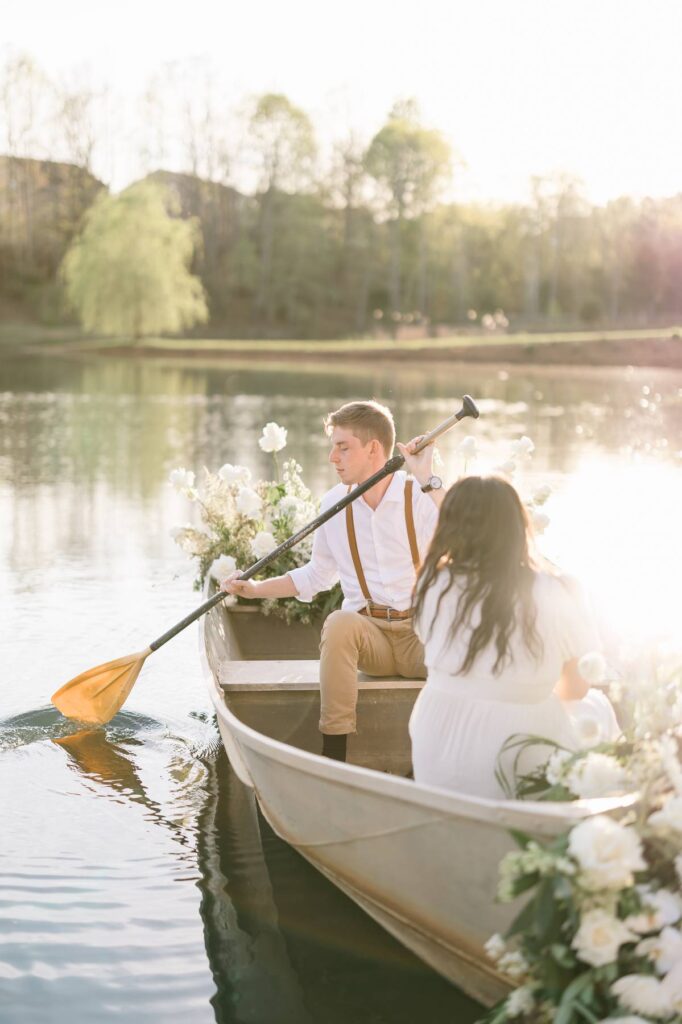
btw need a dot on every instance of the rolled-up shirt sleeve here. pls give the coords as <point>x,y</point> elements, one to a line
<point>320,573</point>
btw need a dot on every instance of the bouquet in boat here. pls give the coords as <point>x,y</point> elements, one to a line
<point>243,519</point>
<point>599,936</point>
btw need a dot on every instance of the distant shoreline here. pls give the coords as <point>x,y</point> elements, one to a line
<point>660,348</point>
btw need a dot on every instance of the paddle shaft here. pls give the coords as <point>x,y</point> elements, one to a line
<point>393,464</point>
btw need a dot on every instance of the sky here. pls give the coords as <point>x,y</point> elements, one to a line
<point>519,87</point>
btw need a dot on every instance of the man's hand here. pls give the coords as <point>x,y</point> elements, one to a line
<point>421,464</point>
<point>240,588</point>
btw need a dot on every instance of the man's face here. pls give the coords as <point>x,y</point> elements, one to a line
<point>353,460</point>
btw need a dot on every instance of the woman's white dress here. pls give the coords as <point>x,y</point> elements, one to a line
<point>460,722</point>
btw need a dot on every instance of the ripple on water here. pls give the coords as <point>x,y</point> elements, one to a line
<point>99,907</point>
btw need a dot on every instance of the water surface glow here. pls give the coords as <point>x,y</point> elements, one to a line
<point>136,881</point>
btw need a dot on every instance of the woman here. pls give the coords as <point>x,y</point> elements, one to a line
<point>502,639</point>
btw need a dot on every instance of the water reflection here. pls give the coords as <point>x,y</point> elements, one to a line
<point>134,856</point>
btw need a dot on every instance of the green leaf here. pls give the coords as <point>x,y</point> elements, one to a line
<point>523,920</point>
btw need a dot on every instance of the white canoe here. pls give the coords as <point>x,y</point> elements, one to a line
<point>421,861</point>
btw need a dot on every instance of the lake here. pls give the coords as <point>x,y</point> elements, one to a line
<point>136,879</point>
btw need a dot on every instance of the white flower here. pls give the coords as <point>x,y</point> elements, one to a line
<point>522,447</point>
<point>597,775</point>
<point>672,986</point>
<point>273,439</point>
<point>289,506</point>
<point>607,852</point>
<point>507,468</point>
<point>540,521</point>
<point>181,479</point>
<point>643,994</point>
<point>599,938</point>
<point>468,447</point>
<point>248,502</point>
<point>556,766</point>
<point>592,667</point>
<point>665,949</point>
<point>222,567</point>
<point>520,1001</point>
<point>262,544</point>
<point>176,532</point>
<point>513,964</point>
<point>669,817</point>
<point>234,474</point>
<point>541,495</point>
<point>629,1018</point>
<point>495,947</point>
<point>661,908</point>
<point>588,731</point>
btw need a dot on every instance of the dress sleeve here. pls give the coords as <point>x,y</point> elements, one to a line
<point>578,633</point>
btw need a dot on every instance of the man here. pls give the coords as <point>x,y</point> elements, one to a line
<point>373,547</point>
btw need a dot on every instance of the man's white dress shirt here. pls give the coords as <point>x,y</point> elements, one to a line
<point>383,547</point>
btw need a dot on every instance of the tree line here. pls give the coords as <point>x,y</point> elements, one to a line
<point>367,239</point>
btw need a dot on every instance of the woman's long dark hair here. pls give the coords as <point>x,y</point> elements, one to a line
<point>483,539</point>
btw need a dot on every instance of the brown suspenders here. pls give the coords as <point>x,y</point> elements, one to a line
<point>411,536</point>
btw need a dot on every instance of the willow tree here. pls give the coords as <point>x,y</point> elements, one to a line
<point>410,163</point>
<point>128,272</point>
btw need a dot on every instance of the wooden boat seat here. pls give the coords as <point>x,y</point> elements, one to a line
<point>255,676</point>
<point>281,699</point>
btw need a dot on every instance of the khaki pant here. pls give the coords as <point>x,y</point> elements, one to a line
<point>351,641</point>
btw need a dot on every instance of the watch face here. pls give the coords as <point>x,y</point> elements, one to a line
<point>435,483</point>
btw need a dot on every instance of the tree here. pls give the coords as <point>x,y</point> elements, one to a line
<point>410,163</point>
<point>128,271</point>
<point>284,144</point>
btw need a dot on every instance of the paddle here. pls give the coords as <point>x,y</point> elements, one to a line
<point>97,694</point>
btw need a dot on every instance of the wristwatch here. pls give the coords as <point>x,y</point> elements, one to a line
<point>434,483</point>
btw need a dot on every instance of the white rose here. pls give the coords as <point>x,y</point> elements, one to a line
<point>181,479</point>
<point>234,474</point>
<point>248,502</point>
<point>507,468</point>
<point>643,994</point>
<point>669,817</point>
<point>520,1001</point>
<point>468,447</point>
<point>541,495</point>
<point>607,852</point>
<point>672,986</point>
<point>222,567</point>
<point>540,521</point>
<point>592,667</point>
<point>273,439</point>
<point>664,949</point>
<point>495,947</point>
<point>522,448</point>
<point>661,908</point>
<point>599,938</point>
<point>289,505</point>
<point>597,775</point>
<point>556,766</point>
<point>262,544</point>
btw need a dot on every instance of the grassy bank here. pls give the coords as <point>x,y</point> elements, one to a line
<point>656,347</point>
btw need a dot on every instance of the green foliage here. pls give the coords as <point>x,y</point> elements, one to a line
<point>127,274</point>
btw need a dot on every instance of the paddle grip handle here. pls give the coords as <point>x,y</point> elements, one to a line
<point>393,464</point>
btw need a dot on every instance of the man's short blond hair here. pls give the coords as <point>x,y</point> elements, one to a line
<point>369,421</point>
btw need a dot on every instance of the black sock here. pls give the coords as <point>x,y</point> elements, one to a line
<point>334,747</point>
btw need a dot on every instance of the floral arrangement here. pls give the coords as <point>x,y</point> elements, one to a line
<point>599,938</point>
<point>243,520</point>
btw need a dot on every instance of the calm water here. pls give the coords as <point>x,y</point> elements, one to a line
<point>136,881</point>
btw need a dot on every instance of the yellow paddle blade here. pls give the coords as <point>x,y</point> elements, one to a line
<point>96,695</point>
